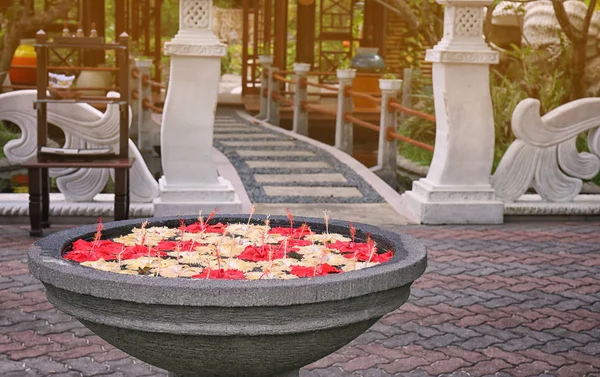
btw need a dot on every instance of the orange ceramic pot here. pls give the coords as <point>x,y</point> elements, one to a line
<point>25,56</point>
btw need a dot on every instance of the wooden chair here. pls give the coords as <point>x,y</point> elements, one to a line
<point>39,195</point>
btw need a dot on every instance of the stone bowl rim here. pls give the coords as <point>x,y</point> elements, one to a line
<point>46,263</point>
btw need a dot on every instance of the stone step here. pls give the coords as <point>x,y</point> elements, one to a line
<point>246,136</point>
<point>233,129</point>
<point>271,153</point>
<point>338,192</point>
<point>262,143</point>
<point>288,164</point>
<point>301,178</point>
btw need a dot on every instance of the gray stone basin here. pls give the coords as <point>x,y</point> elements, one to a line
<point>227,328</point>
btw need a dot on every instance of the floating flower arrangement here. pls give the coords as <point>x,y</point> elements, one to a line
<point>228,251</point>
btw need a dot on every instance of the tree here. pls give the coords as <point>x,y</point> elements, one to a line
<point>579,40</point>
<point>19,19</point>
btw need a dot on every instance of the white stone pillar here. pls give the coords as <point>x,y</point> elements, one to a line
<point>387,149</point>
<point>190,181</point>
<point>344,130</point>
<point>300,120</point>
<point>457,189</point>
<point>143,120</point>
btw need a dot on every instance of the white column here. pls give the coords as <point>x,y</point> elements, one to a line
<point>457,189</point>
<point>300,121</point>
<point>344,133</point>
<point>387,150</point>
<point>190,181</point>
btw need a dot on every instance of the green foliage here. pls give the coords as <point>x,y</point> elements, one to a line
<point>232,62</point>
<point>6,135</point>
<point>430,17</point>
<point>526,73</point>
<point>228,3</point>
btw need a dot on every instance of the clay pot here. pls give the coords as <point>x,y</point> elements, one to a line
<point>24,55</point>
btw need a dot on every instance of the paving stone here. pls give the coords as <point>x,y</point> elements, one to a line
<point>340,192</point>
<point>260,143</point>
<point>560,345</point>
<point>272,153</point>
<point>255,164</point>
<point>439,341</point>
<point>217,136</point>
<point>445,366</point>
<point>7,365</point>
<point>304,178</point>
<point>591,348</point>
<point>372,372</point>
<point>496,333</point>
<point>404,365</point>
<point>424,331</point>
<point>398,341</point>
<point>581,338</point>
<point>534,368</point>
<point>519,344</point>
<point>45,365</point>
<point>487,367</point>
<point>479,342</point>
<point>87,366</point>
<point>458,331</point>
<point>365,362</point>
<point>24,373</point>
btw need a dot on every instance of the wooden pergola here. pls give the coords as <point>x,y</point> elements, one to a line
<point>141,19</point>
<point>324,34</point>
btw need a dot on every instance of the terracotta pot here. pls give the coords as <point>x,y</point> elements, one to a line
<point>24,55</point>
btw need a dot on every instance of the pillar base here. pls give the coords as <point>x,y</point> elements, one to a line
<point>430,204</point>
<point>189,200</point>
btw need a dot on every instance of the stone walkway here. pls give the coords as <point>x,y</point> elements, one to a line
<point>510,300</point>
<point>281,170</point>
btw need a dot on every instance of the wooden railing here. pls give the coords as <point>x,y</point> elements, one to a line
<point>391,110</point>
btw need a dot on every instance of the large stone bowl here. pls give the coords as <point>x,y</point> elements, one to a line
<point>194,327</point>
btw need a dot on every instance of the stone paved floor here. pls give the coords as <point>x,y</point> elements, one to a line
<point>510,300</point>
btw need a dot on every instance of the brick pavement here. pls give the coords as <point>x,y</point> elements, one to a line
<point>510,300</point>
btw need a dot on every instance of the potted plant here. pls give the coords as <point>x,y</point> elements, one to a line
<point>344,71</point>
<point>390,81</point>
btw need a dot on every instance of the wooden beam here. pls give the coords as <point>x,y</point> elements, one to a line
<point>280,42</point>
<point>305,32</point>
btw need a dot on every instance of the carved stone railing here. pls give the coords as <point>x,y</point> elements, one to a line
<point>84,127</point>
<point>545,156</point>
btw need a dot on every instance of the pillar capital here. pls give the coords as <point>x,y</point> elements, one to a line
<point>463,40</point>
<point>195,36</point>
<point>301,68</point>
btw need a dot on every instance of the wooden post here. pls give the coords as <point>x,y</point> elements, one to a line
<point>42,84</point>
<point>280,33</point>
<point>265,62</point>
<point>344,135</point>
<point>300,123</point>
<point>273,117</point>
<point>123,62</point>
<point>388,148</point>
<point>92,12</point>
<point>305,32</point>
